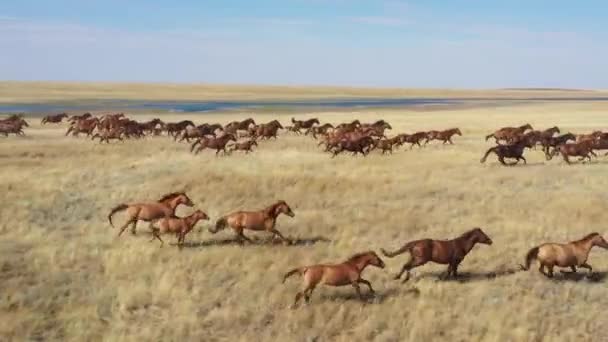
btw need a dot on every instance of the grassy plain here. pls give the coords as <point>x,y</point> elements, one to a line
<point>64,275</point>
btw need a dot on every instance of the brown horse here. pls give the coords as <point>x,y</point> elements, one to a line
<point>13,126</point>
<point>177,127</point>
<point>57,118</point>
<point>386,145</point>
<point>583,149</point>
<point>450,252</point>
<point>110,134</point>
<point>509,133</point>
<point>180,226</point>
<point>268,130</point>
<point>235,126</point>
<point>355,145</point>
<point>547,143</point>
<point>244,146</point>
<point>86,126</point>
<point>586,137</point>
<point>413,139</point>
<point>445,136</point>
<point>262,220</point>
<point>512,151</point>
<point>219,144</point>
<point>572,254</point>
<point>303,124</point>
<point>150,211</point>
<point>319,130</point>
<point>346,273</point>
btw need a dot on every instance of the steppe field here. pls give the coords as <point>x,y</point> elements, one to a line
<point>65,275</point>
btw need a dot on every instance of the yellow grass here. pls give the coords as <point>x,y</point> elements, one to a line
<point>65,276</point>
<point>26,92</point>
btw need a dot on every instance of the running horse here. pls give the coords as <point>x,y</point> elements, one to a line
<point>512,151</point>
<point>508,134</point>
<point>219,144</point>
<point>303,124</point>
<point>583,149</point>
<point>181,226</point>
<point>450,252</point>
<point>57,118</point>
<point>235,126</point>
<point>262,220</point>
<point>150,211</point>
<point>445,136</point>
<point>572,254</point>
<point>345,273</point>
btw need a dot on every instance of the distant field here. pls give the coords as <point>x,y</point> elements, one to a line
<point>64,275</point>
<point>28,92</point>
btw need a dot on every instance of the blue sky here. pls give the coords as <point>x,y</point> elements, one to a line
<point>380,43</point>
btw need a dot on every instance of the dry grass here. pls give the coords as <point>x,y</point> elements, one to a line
<point>28,92</point>
<point>65,275</point>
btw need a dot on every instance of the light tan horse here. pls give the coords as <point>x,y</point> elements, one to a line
<point>180,226</point>
<point>572,254</point>
<point>150,211</point>
<point>262,220</point>
<point>346,273</point>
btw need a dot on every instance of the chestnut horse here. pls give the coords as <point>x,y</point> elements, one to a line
<point>445,136</point>
<point>572,254</point>
<point>235,126</point>
<point>178,225</point>
<point>509,133</point>
<point>150,211</point>
<point>244,146</point>
<point>219,144</point>
<point>346,273</point>
<point>450,252</point>
<point>306,124</point>
<point>268,130</point>
<point>512,151</point>
<point>413,139</point>
<point>57,118</point>
<point>262,220</point>
<point>583,149</point>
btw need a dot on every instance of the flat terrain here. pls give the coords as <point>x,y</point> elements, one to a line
<point>34,92</point>
<point>64,275</point>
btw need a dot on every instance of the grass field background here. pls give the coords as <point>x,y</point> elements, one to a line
<point>66,276</point>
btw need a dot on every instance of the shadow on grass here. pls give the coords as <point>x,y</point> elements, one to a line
<point>467,277</point>
<point>257,242</point>
<point>377,298</point>
<point>595,277</point>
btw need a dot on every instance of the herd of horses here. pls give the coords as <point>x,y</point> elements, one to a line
<point>511,143</point>
<point>162,219</point>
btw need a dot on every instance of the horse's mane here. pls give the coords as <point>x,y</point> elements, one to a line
<point>358,255</point>
<point>171,195</point>
<point>273,207</point>
<point>589,236</point>
<point>468,234</point>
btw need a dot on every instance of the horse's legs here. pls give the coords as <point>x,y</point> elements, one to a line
<point>550,273</point>
<point>241,236</point>
<point>133,227</point>
<point>358,289</point>
<point>573,270</point>
<point>124,227</point>
<point>156,235</point>
<point>566,158</point>
<point>276,232</point>
<point>407,267</point>
<point>363,281</point>
<point>501,159</point>
<point>587,266</point>
<point>522,158</point>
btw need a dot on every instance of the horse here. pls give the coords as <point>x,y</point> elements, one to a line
<point>509,133</point>
<point>13,126</point>
<point>349,126</point>
<point>387,144</point>
<point>513,151</point>
<point>219,144</point>
<point>450,252</point>
<point>178,225</point>
<point>586,137</point>
<point>554,142</point>
<point>235,126</point>
<point>150,126</point>
<point>413,139</point>
<point>83,126</point>
<point>244,146</point>
<point>262,220</point>
<point>445,136</point>
<point>175,128</point>
<point>106,135</point>
<point>75,118</point>
<point>345,273</point>
<point>268,130</point>
<point>306,124</point>
<point>358,145</point>
<point>315,130</point>
<point>57,118</point>
<point>550,132</point>
<point>583,149</point>
<point>150,211</point>
<point>572,254</point>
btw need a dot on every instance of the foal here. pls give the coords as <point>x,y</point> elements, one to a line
<point>178,225</point>
<point>346,273</point>
<point>571,254</point>
<point>265,219</point>
<point>450,252</point>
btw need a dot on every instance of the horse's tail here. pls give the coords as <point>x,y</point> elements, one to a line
<point>401,250</point>
<point>532,254</point>
<point>119,207</point>
<point>485,156</point>
<point>299,270</point>
<point>489,136</point>
<point>219,225</point>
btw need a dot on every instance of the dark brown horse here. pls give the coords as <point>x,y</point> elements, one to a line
<point>56,118</point>
<point>348,126</point>
<point>86,126</point>
<point>345,273</point>
<point>413,139</point>
<point>549,142</point>
<point>13,126</point>
<point>268,130</point>
<point>303,124</point>
<point>150,211</point>
<point>262,220</point>
<point>319,130</point>
<point>110,134</point>
<point>572,254</point>
<point>219,144</point>
<point>512,151</point>
<point>175,128</point>
<point>356,145</point>
<point>246,146</point>
<point>450,252</point>
<point>444,136</point>
<point>235,126</point>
